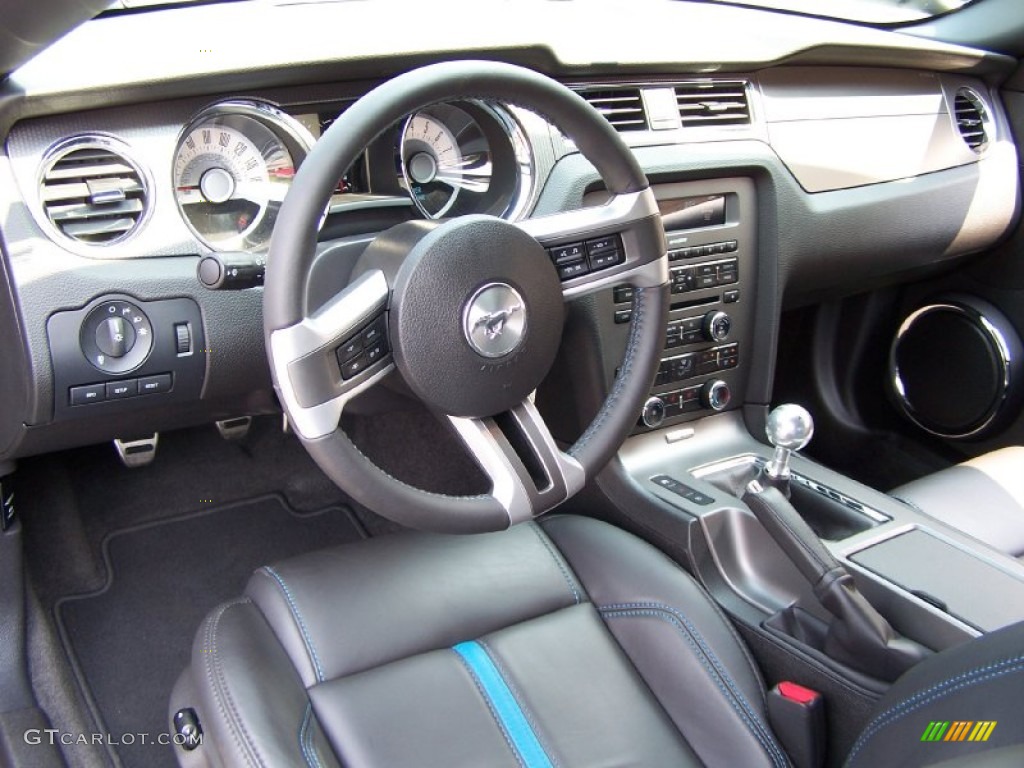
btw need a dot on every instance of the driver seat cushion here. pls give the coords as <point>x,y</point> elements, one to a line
<point>561,643</point>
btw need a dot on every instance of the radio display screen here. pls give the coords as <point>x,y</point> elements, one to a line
<point>693,212</point>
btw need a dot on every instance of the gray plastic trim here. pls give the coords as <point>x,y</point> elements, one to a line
<point>565,476</point>
<point>319,334</point>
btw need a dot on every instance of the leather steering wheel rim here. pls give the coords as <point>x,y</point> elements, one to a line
<point>298,339</point>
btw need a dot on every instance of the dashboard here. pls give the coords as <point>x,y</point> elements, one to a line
<point>822,162</point>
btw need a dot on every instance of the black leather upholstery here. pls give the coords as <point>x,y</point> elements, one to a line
<point>344,657</point>
<point>611,652</point>
<point>980,681</point>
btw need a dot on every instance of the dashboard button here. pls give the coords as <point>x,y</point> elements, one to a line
<point>90,393</point>
<point>117,390</point>
<point>155,385</point>
<point>623,316</point>
<point>731,296</point>
<point>623,294</point>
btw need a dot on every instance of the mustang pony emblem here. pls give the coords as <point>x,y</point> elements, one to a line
<point>493,323</point>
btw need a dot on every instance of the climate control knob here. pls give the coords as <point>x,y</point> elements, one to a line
<point>717,325</point>
<point>653,413</point>
<point>716,395</point>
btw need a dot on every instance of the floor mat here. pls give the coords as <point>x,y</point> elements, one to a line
<point>130,641</point>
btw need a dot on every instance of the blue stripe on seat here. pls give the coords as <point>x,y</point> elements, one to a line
<point>504,705</point>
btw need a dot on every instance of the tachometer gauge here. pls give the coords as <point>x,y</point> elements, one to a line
<point>233,166</point>
<point>446,158</point>
<point>465,157</point>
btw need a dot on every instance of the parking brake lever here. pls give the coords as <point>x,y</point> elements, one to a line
<point>858,635</point>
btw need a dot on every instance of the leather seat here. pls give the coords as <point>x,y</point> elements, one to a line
<point>561,643</point>
<point>983,497</point>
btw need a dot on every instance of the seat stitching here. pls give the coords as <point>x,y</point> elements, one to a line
<point>711,665</point>
<point>559,561</point>
<point>520,701</point>
<point>306,739</point>
<point>494,714</point>
<point>221,693</point>
<point>936,692</point>
<point>297,618</point>
<point>743,649</point>
<point>699,638</point>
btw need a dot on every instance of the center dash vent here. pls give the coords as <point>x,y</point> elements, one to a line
<point>622,107</point>
<point>971,118</point>
<point>713,103</point>
<point>92,193</point>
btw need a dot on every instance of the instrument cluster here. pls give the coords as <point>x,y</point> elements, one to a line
<point>235,160</point>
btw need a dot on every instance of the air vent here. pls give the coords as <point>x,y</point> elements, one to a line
<point>622,107</point>
<point>92,193</point>
<point>713,103</point>
<point>971,118</point>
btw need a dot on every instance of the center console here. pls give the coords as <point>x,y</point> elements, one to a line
<point>934,584</point>
<point>711,236</point>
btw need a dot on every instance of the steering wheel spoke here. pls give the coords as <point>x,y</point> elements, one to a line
<point>333,355</point>
<point>594,248</point>
<point>529,474</point>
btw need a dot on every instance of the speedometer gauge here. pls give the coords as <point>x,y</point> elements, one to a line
<point>232,169</point>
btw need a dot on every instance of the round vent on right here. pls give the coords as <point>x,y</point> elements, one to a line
<point>955,368</point>
<point>971,118</point>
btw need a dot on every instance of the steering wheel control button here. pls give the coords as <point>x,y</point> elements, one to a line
<point>349,349</point>
<point>494,320</point>
<point>89,393</point>
<point>576,259</point>
<point>116,337</point>
<point>564,254</point>
<point>355,366</point>
<point>116,390</point>
<point>362,349</point>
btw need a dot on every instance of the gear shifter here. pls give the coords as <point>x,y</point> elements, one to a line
<point>789,428</point>
<point>857,635</point>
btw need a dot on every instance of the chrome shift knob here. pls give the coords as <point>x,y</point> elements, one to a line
<point>789,428</point>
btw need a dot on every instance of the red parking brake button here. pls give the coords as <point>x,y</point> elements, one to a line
<point>798,693</point>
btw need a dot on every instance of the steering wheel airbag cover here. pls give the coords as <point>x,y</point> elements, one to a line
<point>432,295</point>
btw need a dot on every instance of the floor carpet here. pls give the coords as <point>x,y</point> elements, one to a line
<point>129,641</point>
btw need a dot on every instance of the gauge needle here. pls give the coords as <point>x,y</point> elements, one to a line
<point>253,191</point>
<point>469,174</point>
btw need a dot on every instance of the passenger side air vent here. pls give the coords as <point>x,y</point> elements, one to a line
<point>622,107</point>
<point>713,103</point>
<point>971,118</point>
<point>92,193</point>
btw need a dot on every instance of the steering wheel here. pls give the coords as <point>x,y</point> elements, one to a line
<point>468,310</point>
